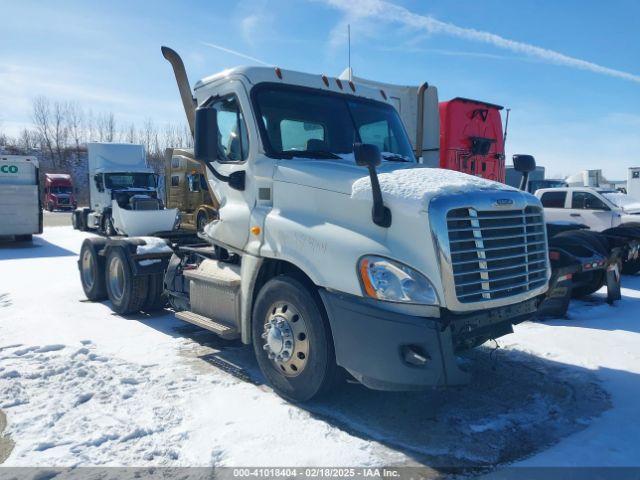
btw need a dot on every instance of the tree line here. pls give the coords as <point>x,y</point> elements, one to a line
<point>60,131</point>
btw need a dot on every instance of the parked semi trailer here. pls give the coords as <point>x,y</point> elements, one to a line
<point>334,249</point>
<point>58,192</point>
<point>123,193</point>
<point>20,208</point>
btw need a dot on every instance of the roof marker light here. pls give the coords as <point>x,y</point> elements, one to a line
<point>279,73</point>
<point>325,80</point>
<point>352,85</point>
<point>339,83</point>
<point>384,95</point>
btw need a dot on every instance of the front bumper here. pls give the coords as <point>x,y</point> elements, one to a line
<point>372,338</point>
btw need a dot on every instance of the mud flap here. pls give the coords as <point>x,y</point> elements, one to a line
<point>613,283</point>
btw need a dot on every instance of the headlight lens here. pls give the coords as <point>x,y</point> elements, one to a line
<point>389,280</point>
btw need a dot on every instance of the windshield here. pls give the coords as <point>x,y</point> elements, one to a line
<point>63,190</point>
<point>116,181</point>
<point>621,200</point>
<point>311,123</point>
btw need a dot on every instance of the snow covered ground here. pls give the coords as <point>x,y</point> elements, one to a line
<point>82,386</point>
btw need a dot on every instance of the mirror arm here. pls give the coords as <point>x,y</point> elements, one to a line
<point>524,181</point>
<point>380,214</point>
<point>236,180</point>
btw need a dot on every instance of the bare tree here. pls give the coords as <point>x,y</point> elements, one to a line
<point>42,122</point>
<point>75,126</point>
<point>27,140</point>
<point>60,131</point>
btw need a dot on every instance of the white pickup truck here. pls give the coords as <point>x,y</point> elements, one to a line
<point>597,208</point>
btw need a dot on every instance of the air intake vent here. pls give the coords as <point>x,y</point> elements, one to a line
<point>496,254</point>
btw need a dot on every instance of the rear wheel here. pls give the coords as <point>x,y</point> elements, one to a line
<point>127,292</point>
<point>50,207</point>
<point>292,340</point>
<point>92,269</point>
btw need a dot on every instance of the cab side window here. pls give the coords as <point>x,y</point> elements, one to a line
<point>553,199</point>
<point>175,180</point>
<point>233,141</point>
<point>587,201</point>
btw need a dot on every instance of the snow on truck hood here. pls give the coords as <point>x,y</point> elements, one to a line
<point>415,187</point>
<point>406,184</point>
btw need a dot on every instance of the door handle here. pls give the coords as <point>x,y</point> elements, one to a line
<point>575,215</point>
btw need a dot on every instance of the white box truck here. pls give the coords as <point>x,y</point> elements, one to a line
<point>123,193</point>
<point>20,209</point>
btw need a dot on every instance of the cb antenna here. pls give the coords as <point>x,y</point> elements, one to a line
<point>506,126</point>
<point>349,50</point>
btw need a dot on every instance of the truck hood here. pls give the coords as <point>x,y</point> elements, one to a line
<point>403,185</point>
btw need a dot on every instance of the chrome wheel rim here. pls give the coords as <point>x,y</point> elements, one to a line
<point>286,339</point>
<point>88,269</point>
<point>116,278</point>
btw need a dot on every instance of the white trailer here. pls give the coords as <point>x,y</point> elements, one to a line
<point>633,183</point>
<point>123,193</point>
<point>20,209</point>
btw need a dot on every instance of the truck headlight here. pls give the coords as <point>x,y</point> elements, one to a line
<point>393,281</point>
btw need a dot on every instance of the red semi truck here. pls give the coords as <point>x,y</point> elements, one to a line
<point>58,192</point>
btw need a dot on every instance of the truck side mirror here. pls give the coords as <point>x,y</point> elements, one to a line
<point>98,181</point>
<point>368,155</point>
<point>206,144</point>
<point>205,141</point>
<point>524,164</point>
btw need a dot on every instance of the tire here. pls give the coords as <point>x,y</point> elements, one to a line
<point>310,370</point>
<point>598,280</point>
<point>631,267</point>
<point>156,299</point>
<point>24,238</point>
<point>91,267</point>
<point>127,292</point>
<point>50,207</point>
<point>201,221</point>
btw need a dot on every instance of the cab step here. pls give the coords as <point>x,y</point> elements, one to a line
<point>223,331</point>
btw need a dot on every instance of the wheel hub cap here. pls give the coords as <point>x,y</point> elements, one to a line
<point>285,340</point>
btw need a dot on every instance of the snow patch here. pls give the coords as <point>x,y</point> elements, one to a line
<point>153,245</point>
<point>414,187</point>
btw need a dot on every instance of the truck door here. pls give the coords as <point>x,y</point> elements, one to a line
<point>554,203</point>
<point>234,143</point>
<point>587,208</point>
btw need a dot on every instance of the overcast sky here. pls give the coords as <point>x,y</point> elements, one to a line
<point>570,70</point>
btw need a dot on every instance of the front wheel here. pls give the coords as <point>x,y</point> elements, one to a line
<point>631,267</point>
<point>201,221</point>
<point>292,340</point>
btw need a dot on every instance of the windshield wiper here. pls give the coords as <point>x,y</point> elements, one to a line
<point>392,157</point>
<point>319,154</point>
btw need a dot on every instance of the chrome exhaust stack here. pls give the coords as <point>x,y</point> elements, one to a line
<point>188,102</point>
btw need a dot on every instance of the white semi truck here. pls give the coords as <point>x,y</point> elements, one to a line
<point>334,249</point>
<point>123,193</point>
<point>20,207</point>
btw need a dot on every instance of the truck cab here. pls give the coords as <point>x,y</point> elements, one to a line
<point>334,249</point>
<point>187,190</point>
<point>58,192</point>
<point>598,208</point>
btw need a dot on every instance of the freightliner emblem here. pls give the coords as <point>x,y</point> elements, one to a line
<point>503,202</point>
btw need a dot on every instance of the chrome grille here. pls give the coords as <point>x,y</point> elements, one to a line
<point>496,254</point>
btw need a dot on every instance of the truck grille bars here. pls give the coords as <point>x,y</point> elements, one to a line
<point>496,254</point>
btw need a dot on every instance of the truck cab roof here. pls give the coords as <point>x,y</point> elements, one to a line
<point>255,75</point>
